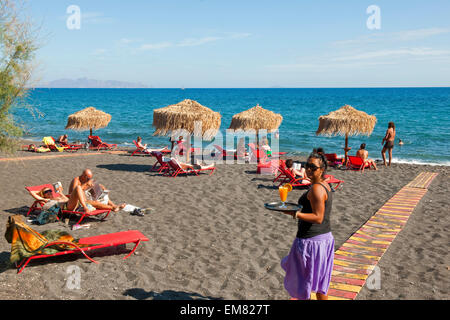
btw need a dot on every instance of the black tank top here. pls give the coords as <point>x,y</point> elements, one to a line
<point>309,230</point>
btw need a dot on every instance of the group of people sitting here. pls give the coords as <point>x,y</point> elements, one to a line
<point>84,193</point>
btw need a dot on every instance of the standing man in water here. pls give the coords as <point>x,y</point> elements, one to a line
<point>388,142</point>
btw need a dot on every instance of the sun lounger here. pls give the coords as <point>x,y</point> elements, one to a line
<point>37,205</point>
<point>357,163</point>
<point>69,146</point>
<point>27,244</point>
<point>226,153</point>
<point>175,169</point>
<point>333,160</point>
<point>140,150</point>
<point>257,154</point>
<point>98,144</point>
<point>159,161</point>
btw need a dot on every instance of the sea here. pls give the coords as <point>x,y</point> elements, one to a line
<point>421,116</point>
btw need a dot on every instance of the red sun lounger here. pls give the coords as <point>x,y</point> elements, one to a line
<point>98,144</point>
<point>174,169</point>
<point>96,242</point>
<point>333,160</point>
<point>139,150</point>
<point>37,205</point>
<point>356,163</point>
<point>159,161</point>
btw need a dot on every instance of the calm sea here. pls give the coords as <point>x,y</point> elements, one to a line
<point>421,115</point>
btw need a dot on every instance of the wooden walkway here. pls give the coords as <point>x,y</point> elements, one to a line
<point>358,256</point>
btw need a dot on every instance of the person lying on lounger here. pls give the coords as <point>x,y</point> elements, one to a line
<point>196,166</point>
<point>364,154</point>
<point>296,173</point>
<point>86,182</point>
<point>71,203</point>
<point>143,147</point>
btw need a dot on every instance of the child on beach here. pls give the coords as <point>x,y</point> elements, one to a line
<point>310,261</point>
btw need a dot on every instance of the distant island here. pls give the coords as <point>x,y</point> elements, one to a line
<point>90,83</point>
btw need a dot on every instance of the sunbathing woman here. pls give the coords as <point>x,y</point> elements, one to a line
<point>71,203</point>
<point>143,147</point>
<point>196,166</point>
<point>296,173</point>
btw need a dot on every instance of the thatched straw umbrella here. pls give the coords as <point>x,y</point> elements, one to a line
<point>89,118</point>
<point>182,116</point>
<point>346,121</point>
<point>256,118</point>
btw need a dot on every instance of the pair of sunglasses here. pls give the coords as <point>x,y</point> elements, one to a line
<point>47,191</point>
<point>311,166</point>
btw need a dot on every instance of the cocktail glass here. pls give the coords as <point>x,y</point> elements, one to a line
<point>283,195</point>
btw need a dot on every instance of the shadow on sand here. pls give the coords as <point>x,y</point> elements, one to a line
<point>141,294</point>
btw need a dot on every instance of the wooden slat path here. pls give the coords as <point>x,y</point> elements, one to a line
<point>358,256</point>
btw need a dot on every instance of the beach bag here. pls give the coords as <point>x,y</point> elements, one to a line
<point>48,215</point>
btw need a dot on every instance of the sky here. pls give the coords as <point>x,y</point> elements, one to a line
<point>246,43</point>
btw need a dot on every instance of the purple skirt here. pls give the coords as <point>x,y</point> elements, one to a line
<point>309,265</point>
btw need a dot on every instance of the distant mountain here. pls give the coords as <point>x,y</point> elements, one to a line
<point>90,83</point>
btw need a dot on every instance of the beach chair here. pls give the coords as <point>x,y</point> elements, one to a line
<point>69,146</point>
<point>174,169</point>
<point>286,176</point>
<point>98,144</point>
<point>256,154</point>
<point>226,153</point>
<point>38,246</point>
<point>333,160</point>
<point>357,163</point>
<point>268,166</point>
<point>37,205</point>
<point>159,161</point>
<point>139,150</point>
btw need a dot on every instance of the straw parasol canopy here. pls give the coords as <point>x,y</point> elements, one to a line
<point>183,115</point>
<point>346,121</point>
<point>89,118</point>
<point>256,118</point>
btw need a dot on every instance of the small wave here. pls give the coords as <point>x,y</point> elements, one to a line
<point>421,162</point>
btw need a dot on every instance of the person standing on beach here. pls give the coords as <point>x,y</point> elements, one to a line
<point>310,261</point>
<point>388,142</point>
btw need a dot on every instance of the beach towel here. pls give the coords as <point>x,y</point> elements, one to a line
<point>48,141</point>
<point>26,242</point>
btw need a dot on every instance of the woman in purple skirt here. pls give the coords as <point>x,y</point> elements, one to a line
<point>310,261</point>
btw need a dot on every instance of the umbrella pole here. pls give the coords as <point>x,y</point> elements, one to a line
<point>188,149</point>
<point>346,148</point>
<point>258,151</point>
<point>90,130</point>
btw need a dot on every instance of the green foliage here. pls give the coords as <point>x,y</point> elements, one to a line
<point>17,48</point>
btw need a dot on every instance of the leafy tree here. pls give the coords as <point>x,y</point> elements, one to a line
<point>17,48</point>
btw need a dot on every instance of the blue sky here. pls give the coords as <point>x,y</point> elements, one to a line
<point>247,43</point>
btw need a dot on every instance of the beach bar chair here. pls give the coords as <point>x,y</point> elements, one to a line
<point>37,205</point>
<point>357,163</point>
<point>90,243</point>
<point>98,144</point>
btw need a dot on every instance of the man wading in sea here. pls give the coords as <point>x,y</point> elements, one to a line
<point>389,145</point>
